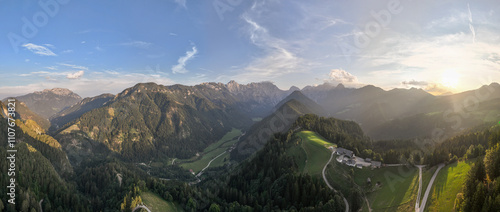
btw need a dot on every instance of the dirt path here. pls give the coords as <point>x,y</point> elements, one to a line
<point>329,186</point>
<point>429,187</point>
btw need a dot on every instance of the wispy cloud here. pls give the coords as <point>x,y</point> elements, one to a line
<point>471,27</point>
<point>74,66</point>
<point>137,44</point>
<point>39,50</point>
<point>51,68</point>
<point>91,85</point>
<point>277,60</point>
<point>415,83</point>
<point>181,63</point>
<point>49,45</point>
<point>181,3</point>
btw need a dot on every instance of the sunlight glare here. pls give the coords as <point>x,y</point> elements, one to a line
<point>450,78</point>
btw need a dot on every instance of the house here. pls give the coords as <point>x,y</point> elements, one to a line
<point>342,151</point>
<point>376,164</point>
<point>368,160</point>
<point>351,162</point>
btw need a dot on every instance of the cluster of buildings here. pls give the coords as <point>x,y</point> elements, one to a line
<point>347,157</point>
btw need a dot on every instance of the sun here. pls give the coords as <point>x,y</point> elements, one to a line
<point>450,78</point>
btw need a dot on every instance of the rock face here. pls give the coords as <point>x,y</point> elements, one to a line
<point>48,102</point>
<point>257,99</point>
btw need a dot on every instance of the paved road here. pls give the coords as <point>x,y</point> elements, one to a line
<point>424,200</point>
<point>328,184</point>
<point>40,203</point>
<point>141,206</point>
<point>417,204</point>
<point>201,172</point>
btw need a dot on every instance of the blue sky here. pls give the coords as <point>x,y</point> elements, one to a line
<point>94,47</point>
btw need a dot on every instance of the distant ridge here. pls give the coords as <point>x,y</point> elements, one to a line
<point>50,101</point>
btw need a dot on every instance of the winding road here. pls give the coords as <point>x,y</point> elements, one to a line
<point>40,203</point>
<point>331,187</point>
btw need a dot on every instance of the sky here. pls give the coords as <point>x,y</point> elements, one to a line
<point>94,46</point>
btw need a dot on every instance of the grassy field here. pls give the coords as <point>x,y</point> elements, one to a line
<point>426,178</point>
<point>398,185</point>
<point>256,119</point>
<point>300,156</point>
<point>213,151</point>
<point>397,191</point>
<point>447,185</point>
<point>316,148</point>
<point>156,203</point>
<point>338,176</point>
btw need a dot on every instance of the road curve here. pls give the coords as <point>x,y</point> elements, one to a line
<point>141,206</point>
<point>40,203</point>
<point>428,190</point>
<point>331,187</point>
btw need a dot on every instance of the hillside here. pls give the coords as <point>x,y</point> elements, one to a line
<point>279,121</point>
<point>451,123</point>
<point>75,111</point>
<point>25,113</point>
<point>150,120</point>
<point>304,100</point>
<point>406,113</point>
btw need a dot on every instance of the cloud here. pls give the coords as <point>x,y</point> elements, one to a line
<point>277,59</point>
<point>415,83</point>
<point>91,85</point>
<point>137,44</point>
<point>74,66</point>
<point>49,45</point>
<point>181,65</point>
<point>181,3</point>
<point>471,27</point>
<point>342,76</point>
<point>75,75</point>
<point>51,68</point>
<point>39,50</point>
<point>172,34</point>
<point>437,89</point>
<point>67,51</point>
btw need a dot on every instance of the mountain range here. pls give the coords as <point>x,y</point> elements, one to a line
<point>99,152</point>
<point>148,120</point>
